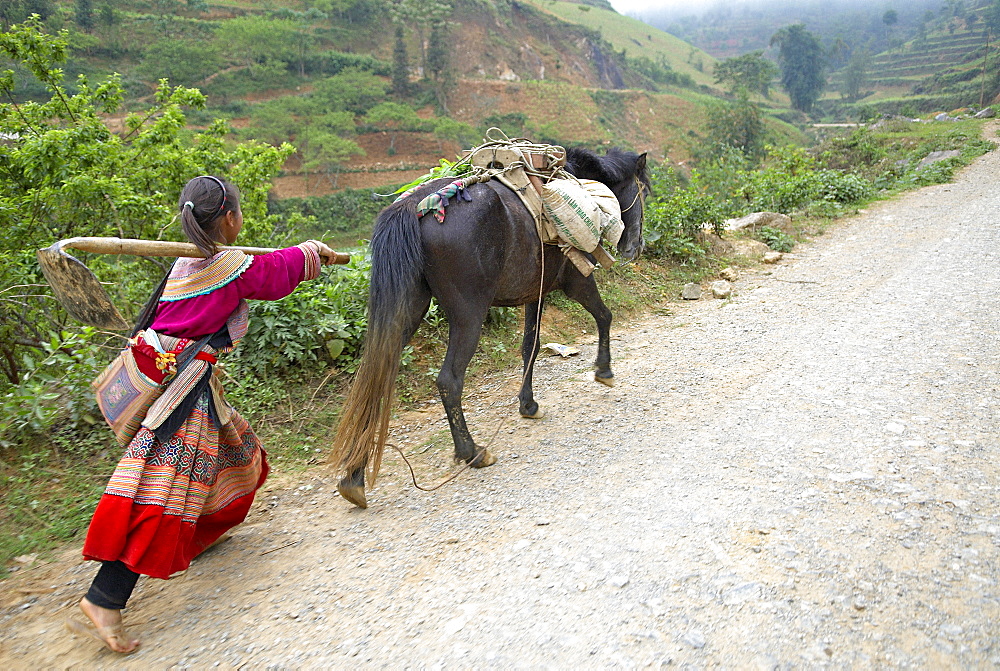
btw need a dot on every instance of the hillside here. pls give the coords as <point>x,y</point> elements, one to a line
<point>920,57</point>
<point>637,39</point>
<point>726,29</point>
<point>332,82</point>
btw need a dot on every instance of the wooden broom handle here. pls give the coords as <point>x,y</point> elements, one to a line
<point>159,248</point>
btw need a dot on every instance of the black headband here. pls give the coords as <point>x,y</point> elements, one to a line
<point>221,186</point>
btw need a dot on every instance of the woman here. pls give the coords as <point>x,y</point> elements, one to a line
<point>191,470</point>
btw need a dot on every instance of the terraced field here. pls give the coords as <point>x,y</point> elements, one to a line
<point>938,66</point>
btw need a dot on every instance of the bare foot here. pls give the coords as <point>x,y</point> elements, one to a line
<point>109,627</point>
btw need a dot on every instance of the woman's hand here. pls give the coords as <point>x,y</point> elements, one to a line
<point>328,256</point>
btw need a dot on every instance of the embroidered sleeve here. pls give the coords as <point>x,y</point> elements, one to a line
<point>273,276</point>
<point>312,261</point>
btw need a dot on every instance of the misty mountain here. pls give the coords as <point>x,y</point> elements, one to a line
<point>728,29</point>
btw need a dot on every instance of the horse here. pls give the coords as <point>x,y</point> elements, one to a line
<point>487,252</point>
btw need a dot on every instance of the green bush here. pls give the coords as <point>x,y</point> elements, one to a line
<point>839,187</point>
<point>776,239</point>
<point>660,72</point>
<point>322,322</point>
<point>778,191</point>
<point>787,181</point>
<point>54,388</point>
<point>182,62</point>
<point>335,62</point>
<point>856,152</point>
<point>237,83</point>
<point>676,216</point>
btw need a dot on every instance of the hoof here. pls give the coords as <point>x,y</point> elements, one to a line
<point>538,414</point>
<point>483,460</point>
<point>609,381</point>
<point>353,493</point>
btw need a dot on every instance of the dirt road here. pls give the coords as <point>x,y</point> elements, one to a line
<point>804,475</point>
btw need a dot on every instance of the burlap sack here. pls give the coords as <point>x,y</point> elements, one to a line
<point>583,212</point>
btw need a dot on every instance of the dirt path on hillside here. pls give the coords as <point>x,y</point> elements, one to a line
<point>805,475</point>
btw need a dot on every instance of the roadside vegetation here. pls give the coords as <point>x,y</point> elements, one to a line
<point>66,171</point>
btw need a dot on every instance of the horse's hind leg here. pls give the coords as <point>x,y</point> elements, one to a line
<point>352,487</point>
<point>463,337</point>
<point>584,291</point>
<point>529,352</point>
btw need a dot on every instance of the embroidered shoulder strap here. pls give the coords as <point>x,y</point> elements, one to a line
<point>196,277</point>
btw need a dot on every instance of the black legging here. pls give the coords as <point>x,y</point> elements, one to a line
<point>112,585</point>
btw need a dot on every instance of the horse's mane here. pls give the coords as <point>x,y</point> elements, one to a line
<point>614,167</point>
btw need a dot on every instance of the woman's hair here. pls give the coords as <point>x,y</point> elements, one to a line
<point>203,201</point>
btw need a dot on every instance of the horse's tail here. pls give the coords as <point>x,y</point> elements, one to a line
<point>397,268</point>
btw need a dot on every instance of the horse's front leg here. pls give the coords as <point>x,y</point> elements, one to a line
<point>584,291</point>
<point>463,337</point>
<point>529,352</point>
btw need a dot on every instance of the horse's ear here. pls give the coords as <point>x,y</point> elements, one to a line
<point>640,163</point>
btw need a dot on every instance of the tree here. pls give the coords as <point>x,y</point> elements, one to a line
<point>890,18</point>
<point>166,9</point>
<point>107,15</point>
<point>326,152</point>
<point>400,65</point>
<point>739,124</point>
<point>855,75</point>
<point>182,62</point>
<point>352,89</point>
<point>84,14</point>
<point>352,11</point>
<point>438,51</point>
<point>838,52</point>
<point>304,37</point>
<point>422,15</point>
<point>65,174</point>
<point>750,71</point>
<point>16,11</point>
<point>393,117</point>
<point>991,18</point>
<point>259,44</point>
<point>446,128</point>
<point>800,57</point>
<point>279,120</point>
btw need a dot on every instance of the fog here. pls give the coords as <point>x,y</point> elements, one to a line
<point>640,7</point>
<point>676,8</point>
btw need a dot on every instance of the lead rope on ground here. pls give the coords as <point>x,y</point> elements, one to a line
<point>467,466</point>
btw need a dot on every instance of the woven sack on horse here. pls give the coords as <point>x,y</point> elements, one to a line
<point>584,212</point>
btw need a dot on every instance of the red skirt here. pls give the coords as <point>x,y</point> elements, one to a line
<point>168,501</point>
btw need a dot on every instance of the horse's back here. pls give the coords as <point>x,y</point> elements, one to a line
<point>486,246</point>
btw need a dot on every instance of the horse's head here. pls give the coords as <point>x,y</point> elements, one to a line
<point>624,172</point>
